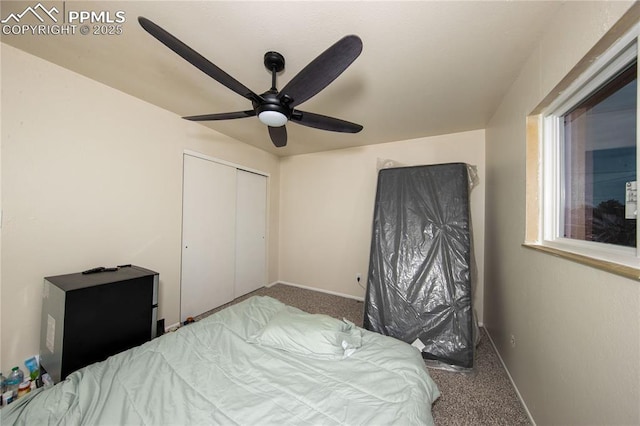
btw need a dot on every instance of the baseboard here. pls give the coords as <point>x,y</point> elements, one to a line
<point>348,296</point>
<point>495,348</point>
<point>172,327</point>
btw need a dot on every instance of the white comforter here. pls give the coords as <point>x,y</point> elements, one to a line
<point>207,373</point>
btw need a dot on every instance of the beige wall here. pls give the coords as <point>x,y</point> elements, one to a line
<point>577,354</point>
<point>326,208</point>
<point>90,177</point>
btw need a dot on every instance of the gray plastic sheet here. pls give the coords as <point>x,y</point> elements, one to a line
<point>420,269</point>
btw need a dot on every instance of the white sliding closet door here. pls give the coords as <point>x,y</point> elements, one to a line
<point>251,214</point>
<point>208,236</point>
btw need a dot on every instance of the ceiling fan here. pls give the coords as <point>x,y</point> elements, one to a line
<point>275,108</point>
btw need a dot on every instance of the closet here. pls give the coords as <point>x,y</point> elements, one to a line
<point>223,233</point>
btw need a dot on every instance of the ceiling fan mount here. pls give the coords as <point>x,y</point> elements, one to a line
<point>274,61</point>
<point>275,108</point>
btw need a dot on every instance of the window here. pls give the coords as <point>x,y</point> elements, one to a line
<point>599,150</point>
<point>589,160</point>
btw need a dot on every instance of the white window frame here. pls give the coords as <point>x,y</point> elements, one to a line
<point>618,56</point>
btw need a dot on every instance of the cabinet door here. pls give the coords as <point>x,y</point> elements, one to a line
<point>251,215</point>
<point>208,236</point>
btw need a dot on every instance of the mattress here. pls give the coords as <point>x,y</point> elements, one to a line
<point>256,362</point>
<point>419,283</point>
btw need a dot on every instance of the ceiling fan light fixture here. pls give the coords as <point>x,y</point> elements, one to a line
<point>273,118</point>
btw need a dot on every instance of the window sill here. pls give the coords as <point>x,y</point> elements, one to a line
<point>614,268</point>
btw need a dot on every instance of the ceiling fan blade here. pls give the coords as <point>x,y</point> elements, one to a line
<point>322,70</point>
<point>221,116</point>
<point>196,59</point>
<point>278,136</point>
<point>323,122</point>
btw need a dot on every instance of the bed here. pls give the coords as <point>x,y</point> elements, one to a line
<point>258,362</point>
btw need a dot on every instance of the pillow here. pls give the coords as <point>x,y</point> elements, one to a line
<point>312,335</point>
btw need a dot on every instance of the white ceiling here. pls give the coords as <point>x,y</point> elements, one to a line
<point>427,67</point>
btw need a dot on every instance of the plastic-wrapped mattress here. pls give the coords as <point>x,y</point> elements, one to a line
<point>419,282</point>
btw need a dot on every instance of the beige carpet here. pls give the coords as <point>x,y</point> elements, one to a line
<point>483,397</point>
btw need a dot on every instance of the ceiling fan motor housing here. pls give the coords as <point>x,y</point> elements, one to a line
<point>274,108</point>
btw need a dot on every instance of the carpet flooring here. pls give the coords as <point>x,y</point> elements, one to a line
<point>483,397</point>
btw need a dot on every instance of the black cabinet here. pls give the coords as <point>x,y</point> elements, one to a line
<point>88,317</point>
